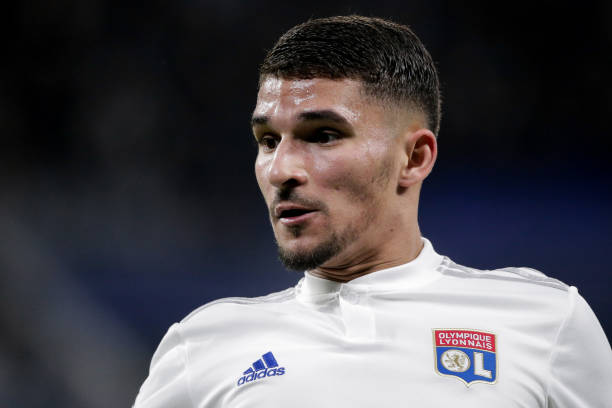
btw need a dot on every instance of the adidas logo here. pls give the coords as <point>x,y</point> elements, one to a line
<point>266,366</point>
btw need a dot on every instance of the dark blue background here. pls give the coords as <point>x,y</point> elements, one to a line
<point>128,196</point>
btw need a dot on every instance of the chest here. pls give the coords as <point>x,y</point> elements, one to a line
<point>365,357</point>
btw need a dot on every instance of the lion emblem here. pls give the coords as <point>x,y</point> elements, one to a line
<point>455,360</point>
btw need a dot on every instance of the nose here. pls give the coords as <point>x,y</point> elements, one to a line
<point>287,167</point>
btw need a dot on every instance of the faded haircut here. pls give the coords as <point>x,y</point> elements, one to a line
<point>388,58</point>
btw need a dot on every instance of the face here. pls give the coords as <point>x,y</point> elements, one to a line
<point>326,166</point>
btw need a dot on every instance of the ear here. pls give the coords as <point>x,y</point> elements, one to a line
<point>421,150</point>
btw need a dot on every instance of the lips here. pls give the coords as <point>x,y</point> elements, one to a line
<point>292,214</point>
<point>290,210</point>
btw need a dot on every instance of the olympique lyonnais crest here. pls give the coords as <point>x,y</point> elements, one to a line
<point>466,354</point>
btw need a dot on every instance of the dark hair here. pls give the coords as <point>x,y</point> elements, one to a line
<point>387,57</point>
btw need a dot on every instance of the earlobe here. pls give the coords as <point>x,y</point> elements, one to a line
<point>421,149</point>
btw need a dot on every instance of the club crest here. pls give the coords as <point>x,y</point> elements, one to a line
<point>466,354</point>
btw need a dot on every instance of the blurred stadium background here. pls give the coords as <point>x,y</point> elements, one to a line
<point>128,197</point>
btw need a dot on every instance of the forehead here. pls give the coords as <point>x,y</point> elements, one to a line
<point>285,98</point>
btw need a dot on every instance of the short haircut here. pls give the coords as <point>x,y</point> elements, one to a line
<point>388,58</point>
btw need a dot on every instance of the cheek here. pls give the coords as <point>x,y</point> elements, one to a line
<point>360,187</point>
<point>356,179</point>
<point>260,176</point>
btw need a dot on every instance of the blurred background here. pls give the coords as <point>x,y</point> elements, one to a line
<point>127,191</point>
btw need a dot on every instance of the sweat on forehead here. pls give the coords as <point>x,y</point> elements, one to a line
<point>307,100</point>
<point>338,101</point>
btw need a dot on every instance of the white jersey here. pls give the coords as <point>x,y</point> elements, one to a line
<point>427,334</point>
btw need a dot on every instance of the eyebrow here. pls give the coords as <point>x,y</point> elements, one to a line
<point>328,115</point>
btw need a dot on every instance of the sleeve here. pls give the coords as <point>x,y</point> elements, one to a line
<point>167,384</point>
<point>581,361</point>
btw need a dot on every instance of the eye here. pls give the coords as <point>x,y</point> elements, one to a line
<point>324,136</point>
<point>268,142</point>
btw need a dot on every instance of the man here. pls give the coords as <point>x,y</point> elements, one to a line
<point>346,121</point>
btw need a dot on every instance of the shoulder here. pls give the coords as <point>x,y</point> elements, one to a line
<point>521,289</point>
<point>229,309</point>
<point>507,276</point>
<point>221,318</point>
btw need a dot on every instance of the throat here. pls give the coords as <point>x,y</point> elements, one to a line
<point>345,270</point>
<point>347,273</point>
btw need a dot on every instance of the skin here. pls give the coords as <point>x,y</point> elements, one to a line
<point>356,163</point>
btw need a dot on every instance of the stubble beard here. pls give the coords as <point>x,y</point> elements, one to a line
<point>323,252</point>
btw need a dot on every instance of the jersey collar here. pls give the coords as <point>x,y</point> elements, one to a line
<point>415,273</point>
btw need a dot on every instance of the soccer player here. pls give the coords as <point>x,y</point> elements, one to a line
<point>346,121</point>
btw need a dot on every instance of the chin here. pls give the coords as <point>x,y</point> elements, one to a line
<point>301,257</point>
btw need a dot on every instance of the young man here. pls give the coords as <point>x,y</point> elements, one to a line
<point>346,121</point>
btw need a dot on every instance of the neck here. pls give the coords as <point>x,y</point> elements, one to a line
<point>356,262</point>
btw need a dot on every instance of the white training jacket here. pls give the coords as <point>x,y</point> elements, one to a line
<point>427,334</point>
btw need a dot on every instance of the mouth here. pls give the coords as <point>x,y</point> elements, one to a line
<point>291,215</point>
